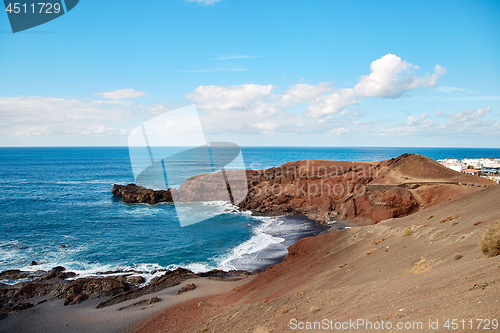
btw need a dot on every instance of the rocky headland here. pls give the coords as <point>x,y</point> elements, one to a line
<point>360,192</point>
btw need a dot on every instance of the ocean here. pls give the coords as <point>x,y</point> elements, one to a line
<point>56,209</point>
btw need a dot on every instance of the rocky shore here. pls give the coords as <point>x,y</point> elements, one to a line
<point>361,192</point>
<point>59,283</point>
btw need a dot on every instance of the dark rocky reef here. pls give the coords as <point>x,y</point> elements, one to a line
<point>132,193</point>
<point>54,285</point>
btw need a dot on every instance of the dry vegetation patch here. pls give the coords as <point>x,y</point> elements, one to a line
<point>408,232</point>
<point>490,243</point>
<point>424,265</point>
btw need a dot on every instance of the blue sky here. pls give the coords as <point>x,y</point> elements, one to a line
<point>360,73</point>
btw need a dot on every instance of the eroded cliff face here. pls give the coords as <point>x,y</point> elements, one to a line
<point>327,190</point>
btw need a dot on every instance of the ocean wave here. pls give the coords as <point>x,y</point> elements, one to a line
<point>261,239</point>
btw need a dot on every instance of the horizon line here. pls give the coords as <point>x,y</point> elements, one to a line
<point>262,146</point>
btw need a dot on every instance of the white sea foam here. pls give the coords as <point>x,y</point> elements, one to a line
<point>260,240</point>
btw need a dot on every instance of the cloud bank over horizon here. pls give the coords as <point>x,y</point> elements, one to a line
<point>256,109</point>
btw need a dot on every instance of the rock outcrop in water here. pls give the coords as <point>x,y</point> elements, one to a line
<point>132,193</point>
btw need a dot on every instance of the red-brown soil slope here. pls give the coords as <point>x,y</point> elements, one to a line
<point>422,267</point>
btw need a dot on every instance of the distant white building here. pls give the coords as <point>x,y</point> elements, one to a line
<point>453,164</point>
<point>479,163</point>
<point>449,161</point>
<point>480,166</point>
<point>471,172</point>
<point>456,167</point>
<point>476,163</point>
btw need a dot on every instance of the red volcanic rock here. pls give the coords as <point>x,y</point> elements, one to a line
<point>325,190</point>
<point>363,192</point>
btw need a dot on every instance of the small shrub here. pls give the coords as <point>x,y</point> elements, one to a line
<point>457,256</point>
<point>284,309</point>
<point>408,232</point>
<point>490,243</point>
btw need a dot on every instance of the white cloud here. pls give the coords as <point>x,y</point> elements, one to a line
<point>440,70</point>
<point>240,97</point>
<point>353,113</point>
<point>267,127</point>
<point>303,93</point>
<point>204,2</point>
<point>120,94</point>
<point>461,124</point>
<point>332,103</point>
<point>468,114</point>
<point>391,77</point>
<point>421,121</point>
<point>47,116</point>
<point>339,131</point>
<point>247,109</point>
<point>322,98</point>
<point>415,125</point>
<point>258,109</point>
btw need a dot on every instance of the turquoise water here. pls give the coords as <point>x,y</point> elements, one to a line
<point>56,209</point>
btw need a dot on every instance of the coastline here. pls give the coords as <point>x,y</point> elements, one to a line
<point>318,238</point>
<point>299,226</point>
<point>45,284</point>
<point>53,316</point>
<point>43,305</point>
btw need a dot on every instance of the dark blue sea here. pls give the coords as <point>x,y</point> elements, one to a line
<point>56,209</point>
